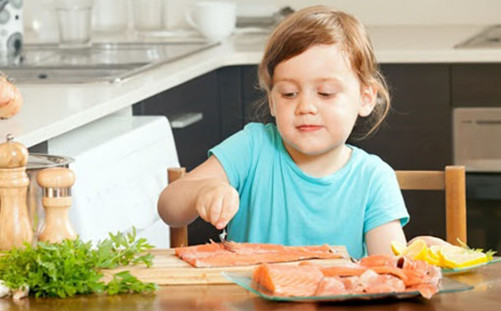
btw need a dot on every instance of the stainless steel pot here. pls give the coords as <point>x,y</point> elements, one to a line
<point>37,162</point>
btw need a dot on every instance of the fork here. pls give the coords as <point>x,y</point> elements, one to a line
<point>227,245</point>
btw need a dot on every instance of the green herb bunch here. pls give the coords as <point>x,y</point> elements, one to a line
<point>73,267</point>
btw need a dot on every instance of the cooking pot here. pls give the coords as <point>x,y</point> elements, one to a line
<point>37,162</point>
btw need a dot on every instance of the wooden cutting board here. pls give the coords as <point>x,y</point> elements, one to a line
<point>168,269</point>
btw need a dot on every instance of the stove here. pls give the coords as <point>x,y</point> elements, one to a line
<point>102,62</point>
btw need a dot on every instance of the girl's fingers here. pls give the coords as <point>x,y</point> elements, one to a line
<point>218,205</point>
<point>215,210</point>
<point>202,211</point>
<point>229,209</point>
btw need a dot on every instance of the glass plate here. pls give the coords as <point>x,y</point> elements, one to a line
<point>466,269</point>
<point>447,286</point>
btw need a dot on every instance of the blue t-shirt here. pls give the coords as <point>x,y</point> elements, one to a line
<point>281,204</point>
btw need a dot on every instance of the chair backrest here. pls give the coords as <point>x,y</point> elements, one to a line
<point>451,180</point>
<point>178,236</point>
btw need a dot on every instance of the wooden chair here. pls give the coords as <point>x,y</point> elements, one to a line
<point>178,236</point>
<point>451,180</point>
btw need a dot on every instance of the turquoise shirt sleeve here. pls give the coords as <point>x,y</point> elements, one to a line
<point>386,202</point>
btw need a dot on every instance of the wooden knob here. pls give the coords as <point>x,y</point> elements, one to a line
<point>56,177</point>
<point>12,154</point>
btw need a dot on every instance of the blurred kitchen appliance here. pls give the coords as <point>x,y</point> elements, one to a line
<point>476,136</point>
<point>11,31</point>
<point>121,167</point>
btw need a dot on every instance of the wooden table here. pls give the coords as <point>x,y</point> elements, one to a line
<point>486,295</point>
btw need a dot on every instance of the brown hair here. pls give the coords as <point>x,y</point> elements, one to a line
<point>323,25</point>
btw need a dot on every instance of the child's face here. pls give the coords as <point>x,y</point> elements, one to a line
<point>316,98</point>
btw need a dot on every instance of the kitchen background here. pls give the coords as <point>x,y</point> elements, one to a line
<point>440,82</point>
<point>39,15</point>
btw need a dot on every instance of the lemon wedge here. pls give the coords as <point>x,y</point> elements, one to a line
<point>417,250</point>
<point>455,257</point>
<point>445,256</point>
<point>398,247</point>
<point>432,257</point>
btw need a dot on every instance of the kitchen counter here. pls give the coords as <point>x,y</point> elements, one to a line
<point>51,110</point>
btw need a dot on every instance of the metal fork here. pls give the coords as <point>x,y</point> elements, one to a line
<point>222,236</point>
<point>227,245</point>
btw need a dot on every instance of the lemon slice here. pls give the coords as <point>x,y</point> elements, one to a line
<point>398,247</point>
<point>455,257</point>
<point>417,250</point>
<point>432,257</point>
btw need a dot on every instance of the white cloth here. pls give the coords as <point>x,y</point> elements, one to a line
<point>121,167</point>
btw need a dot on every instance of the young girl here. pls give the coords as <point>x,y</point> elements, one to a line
<point>298,182</point>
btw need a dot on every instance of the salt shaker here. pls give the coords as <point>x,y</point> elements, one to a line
<point>56,183</point>
<point>15,227</point>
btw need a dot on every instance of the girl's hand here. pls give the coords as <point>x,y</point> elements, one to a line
<point>217,202</point>
<point>429,240</point>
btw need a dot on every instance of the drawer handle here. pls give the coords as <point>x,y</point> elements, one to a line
<point>186,119</point>
<point>488,122</point>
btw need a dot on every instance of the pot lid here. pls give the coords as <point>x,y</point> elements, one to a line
<point>41,161</point>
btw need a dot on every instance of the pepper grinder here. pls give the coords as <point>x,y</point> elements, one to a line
<point>56,183</point>
<point>15,227</point>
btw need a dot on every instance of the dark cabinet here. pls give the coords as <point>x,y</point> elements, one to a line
<point>416,135</point>
<point>476,85</point>
<point>199,95</point>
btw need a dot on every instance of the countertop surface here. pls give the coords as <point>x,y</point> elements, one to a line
<point>484,295</point>
<point>50,110</point>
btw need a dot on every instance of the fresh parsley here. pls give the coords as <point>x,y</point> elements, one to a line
<point>72,267</point>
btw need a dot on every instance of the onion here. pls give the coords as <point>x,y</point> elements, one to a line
<point>10,99</point>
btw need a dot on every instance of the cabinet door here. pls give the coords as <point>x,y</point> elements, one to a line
<point>230,100</point>
<point>252,95</point>
<point>476,85</point>
<point>199,95</point>
<point>417,132</point>
<point>417,136</point>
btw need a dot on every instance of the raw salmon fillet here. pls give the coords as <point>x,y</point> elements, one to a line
<point>372,275</point>
<point>242,254</point>
<point>283,280</point>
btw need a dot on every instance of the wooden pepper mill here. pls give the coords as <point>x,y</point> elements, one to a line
<point>56,183</point>
<point>15,227</point>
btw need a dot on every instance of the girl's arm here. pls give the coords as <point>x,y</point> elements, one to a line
<point>204,192</point>
<point>379,239</point>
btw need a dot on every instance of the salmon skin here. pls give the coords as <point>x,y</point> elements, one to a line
<point>372,275</point>
<point>242,254</point>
